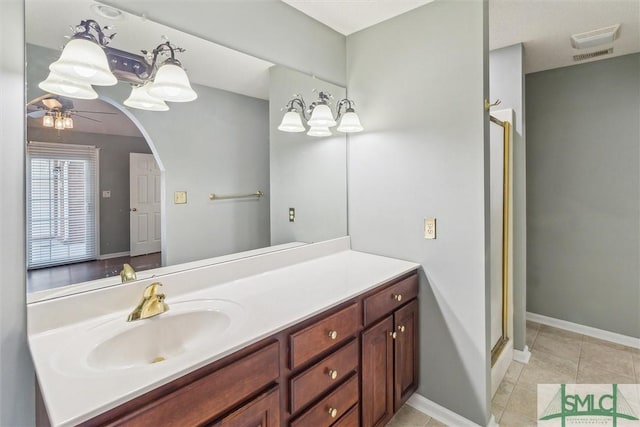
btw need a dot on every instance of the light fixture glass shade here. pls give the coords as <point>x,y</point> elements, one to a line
<point>321,116</point>
<point>142,100</point>
<point>59,123</point>
<point>47,121</point>
<point>61,86</point>
<point>68,123</point>
<point>350,123</point>
<point>172,84</point>
<point>319,131</point>
<point>291,122</point>
<point>84,61</point>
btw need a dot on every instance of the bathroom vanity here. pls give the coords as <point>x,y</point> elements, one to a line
<point>317,335</point>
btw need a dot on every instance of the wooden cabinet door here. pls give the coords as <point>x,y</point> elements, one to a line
<point>377,374</point>
<point>406,353</point>
<point>264,411</point>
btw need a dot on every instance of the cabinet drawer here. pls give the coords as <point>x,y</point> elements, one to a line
<point>390,298</point>
<point>206,398</point>
<point>322,335</point>
<point>350,419</point>
<point>329,371</point>
<point>263,411</point>
<point>331,408</point>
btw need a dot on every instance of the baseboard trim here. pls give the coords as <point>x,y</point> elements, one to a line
<point>441,413</point>
<point>522,356</point>
<point>113,255</point>
<point>585,330</point>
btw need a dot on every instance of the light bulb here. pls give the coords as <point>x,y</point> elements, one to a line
<point>291,122</point>
<point>68,122</point>
<point>141,99</point>
<point>350,122</point>
<point>172,84</point>
<point>321,116</point>
<point>319,131</point>
<point>84,61</point>
<point>47,121</point>
<point>59,123</point>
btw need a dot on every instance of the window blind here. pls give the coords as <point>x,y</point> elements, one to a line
<point>61,204</point>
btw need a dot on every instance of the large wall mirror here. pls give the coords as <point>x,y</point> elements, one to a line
<point>225,142</point>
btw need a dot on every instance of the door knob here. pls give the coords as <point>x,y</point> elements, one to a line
<point>133,209</point>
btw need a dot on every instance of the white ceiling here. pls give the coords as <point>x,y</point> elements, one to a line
<point>543,26</point>
<point>349,16</point>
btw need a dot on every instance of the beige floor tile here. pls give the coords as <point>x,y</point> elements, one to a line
<point>435,423</point>
<point>553,363</point>
<point>595,373</point>
<point>560,332</point>
<point>607,343</point>
<point>513,372</point>
<point>409,417</point>
<point>533,325</point>
<point>497,411</point>
<point>611,359</point>
<point>567,347</point>
<point>510,419</point>
<point>503,393</point>
<point>636,365</point>
<point>523,402</point>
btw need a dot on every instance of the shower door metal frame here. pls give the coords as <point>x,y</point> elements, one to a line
<point>506,200</point>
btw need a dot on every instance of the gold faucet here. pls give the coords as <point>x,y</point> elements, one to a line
<point>151,305</point>
<point>128,274</point>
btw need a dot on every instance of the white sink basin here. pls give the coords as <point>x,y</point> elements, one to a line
<point>118,345</point>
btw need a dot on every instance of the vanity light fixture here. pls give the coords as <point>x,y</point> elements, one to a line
<point>86,60</point>
<point>319,116</point>
<point>48,121</point>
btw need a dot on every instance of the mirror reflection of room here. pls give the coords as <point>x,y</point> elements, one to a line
<point>149,173</point>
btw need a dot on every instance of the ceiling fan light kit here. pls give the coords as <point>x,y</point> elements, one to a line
<point>87,61</point>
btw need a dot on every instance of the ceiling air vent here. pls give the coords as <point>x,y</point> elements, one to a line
<point>583,56</point>
<point>597,37</point>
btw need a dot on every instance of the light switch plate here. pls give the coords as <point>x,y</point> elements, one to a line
<point>429,228</point>
<point>180,197</point>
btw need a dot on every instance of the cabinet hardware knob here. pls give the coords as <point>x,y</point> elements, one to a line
<point>393,335</point>
<point>397,297</point>
<point>333,334</point>
<point>333,374</point>
<point>333,412</point>
<point>401,328</point>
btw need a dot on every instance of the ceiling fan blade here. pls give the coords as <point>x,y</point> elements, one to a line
<point>85,117</point>
<point>92,112</point>
<point>37,114</point>
<point>40,98</point>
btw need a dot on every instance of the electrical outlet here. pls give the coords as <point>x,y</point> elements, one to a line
<point>106,194</point>
<point>292,214</point>
<point>429,228</point>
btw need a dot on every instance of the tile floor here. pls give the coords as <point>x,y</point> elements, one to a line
<point>557,356</point>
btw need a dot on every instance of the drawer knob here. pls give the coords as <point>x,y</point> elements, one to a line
<point>393,335</point>
<point>333,334</point>
<point>333,374</point>
<point>397,297</point>
<point>401,328</point>
<point>333,412</point>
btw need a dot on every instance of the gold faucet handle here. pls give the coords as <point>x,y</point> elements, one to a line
<point>152,290</point>
<point>128,274</point>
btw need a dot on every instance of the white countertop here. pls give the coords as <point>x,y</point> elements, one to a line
<point>281,293</point>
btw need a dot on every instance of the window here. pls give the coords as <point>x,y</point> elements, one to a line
<point>61,204</point>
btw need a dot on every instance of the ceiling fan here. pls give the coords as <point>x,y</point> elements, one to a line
<point>57,111</point>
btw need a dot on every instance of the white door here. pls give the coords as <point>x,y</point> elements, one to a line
<point>144,183</point>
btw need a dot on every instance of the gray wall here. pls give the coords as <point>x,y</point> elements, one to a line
<point>307,173</point>
<point>583,201</point>
<point>506,82</point>
<point>423,155</point>
<point>113,176</point>
<point>268,29</point>
<point>16,371</point>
